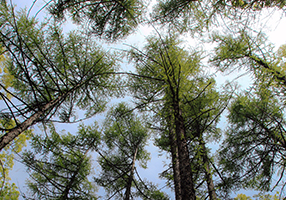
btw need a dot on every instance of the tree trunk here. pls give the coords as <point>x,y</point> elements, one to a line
<point>175,163</point>
<point>13,133</point>
<point>128,188</point>
<point>72,179</point>
<point>210,184</point>
<point>186,175</point>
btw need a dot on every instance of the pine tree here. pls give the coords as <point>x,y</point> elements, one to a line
<point>52,74</point>
<point>60,164</point>
<point>125,137</point>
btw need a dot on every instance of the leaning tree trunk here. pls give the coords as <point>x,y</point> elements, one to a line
<point>128,187</point>
<point>13,133</point>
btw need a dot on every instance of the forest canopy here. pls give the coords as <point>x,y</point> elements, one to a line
<point>87,111</point>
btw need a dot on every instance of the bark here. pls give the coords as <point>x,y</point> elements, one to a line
<point>186,175</point>
<point>176,168</point>
<point>128,188</point>
<point>175,160</point>
<point>210,184</point>
<point>13,133</point>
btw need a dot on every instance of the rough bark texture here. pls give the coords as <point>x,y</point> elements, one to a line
<point>186,177</point>
<point>128,188</point>
<point>210,184</point>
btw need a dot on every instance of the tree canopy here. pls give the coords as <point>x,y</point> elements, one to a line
<point>52,74</point>
<point>170,99</point>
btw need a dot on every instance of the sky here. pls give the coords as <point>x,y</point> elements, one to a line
<point>275,28</point>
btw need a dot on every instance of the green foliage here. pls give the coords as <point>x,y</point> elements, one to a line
<point>253,53</point>
<point>262,196</point>
<point>257,4</point>
<point>9,191</point>
<point>60,165</point>
<point>5,77</point>
<point>242,197</point>
<point>254,147</point>
<point>199,16</point>
<point>7,156</point>
<point>183,16</point>
<point>169,75</point>
<point>48,65</point>
<point>281,54</point>
<point>150,191</point>
<point>109,19</point>
<point>40,64</point>
<point>125,137</point>
<point>259,196</point>
<point>124,129</point>
<point>165,71</point>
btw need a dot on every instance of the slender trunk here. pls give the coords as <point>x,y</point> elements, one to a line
<point>128,188</point>
<point>186,175</point>
<point>72,179</point>
<point>13,133</point>
<point>175,163</point>
<point>210,184</point>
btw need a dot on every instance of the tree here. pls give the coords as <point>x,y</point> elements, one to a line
<point>125,138</point>
<point>53,74</point>
<point>254,148</point>
<point>202,108</point>
<point>6,77</point>
<point>257,197</point>
<point>60,164</point>
<point>110,19</point>
<point>262,196</point>
<point>242,197</point>
<point>150,191</point>
<point>176,93</point>
<point>7,156</point>
<point>252,52</point>
<point>169,66</point>
<point>255,145</point>
<point>199,16</point>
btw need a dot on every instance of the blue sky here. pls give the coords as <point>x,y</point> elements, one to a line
<point>275,28</point>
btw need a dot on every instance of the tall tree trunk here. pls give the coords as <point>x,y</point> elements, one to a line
<point>128,188</point>
<point>210,184</point>
<point>186,175</point>
<point>175,161</point>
